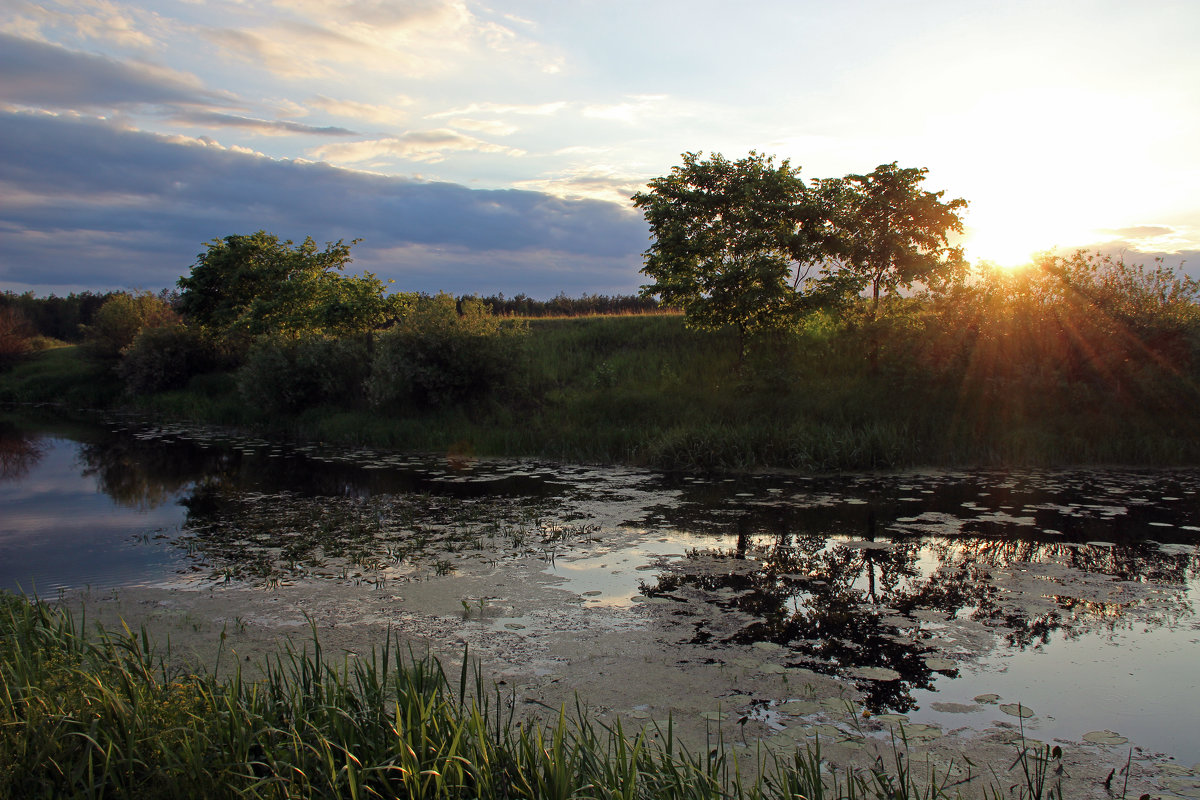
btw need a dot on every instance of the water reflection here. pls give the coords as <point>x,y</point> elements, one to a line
<point>19,452</point>
<point>862,578</point>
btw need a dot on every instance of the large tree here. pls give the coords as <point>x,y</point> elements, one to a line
<point>734,241</point>
<point>258,284</point>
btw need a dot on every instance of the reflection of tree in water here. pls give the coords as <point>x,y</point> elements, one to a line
<point>19,452</point>
<point>843,605</point>
<point>144,474</point>
<point>282,536</point>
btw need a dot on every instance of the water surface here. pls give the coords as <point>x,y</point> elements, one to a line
<point>1068,590</point>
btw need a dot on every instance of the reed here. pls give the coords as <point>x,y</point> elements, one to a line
<point>104,714</point>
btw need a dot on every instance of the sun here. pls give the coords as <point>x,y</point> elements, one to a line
<point>1009,236</point>
<point>1001,248</point>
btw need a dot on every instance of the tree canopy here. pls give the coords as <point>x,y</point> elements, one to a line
<point>733,240</point>
<point>894,233</point>
<point>748,243</point>
<point>258,284</point>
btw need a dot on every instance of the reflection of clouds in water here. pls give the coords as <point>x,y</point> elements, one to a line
<point>59,530</point>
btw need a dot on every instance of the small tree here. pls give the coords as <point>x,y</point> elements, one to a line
<point>734,241</point>
<point>892,233</point>
<point>257,284</point>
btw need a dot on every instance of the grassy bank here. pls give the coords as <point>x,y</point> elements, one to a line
<point>104,715</point>
<point>643,389</point>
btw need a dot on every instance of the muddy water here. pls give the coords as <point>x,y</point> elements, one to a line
<point>1060,601</point>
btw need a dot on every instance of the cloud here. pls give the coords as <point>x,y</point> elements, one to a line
<point>96,20</point>
<point>631,111</point>
<point>43,75</point>
<point>535,109</point>
<point>290,50</point>
<point>383,114</point>
<point>1141,231</point>
<point>417,38</point>
<point>597,182</point>
<point>85,203</point>
<point>426,146</point>
<point>213,119</point>
<point>390,15</point>
<point>493,127</point>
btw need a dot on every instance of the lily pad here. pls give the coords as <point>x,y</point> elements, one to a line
<point>1016,710</point>
<point>1104,737</point>
<point>874,673</point>
<point>940,664</point>
<point>955,708</point>
<point>800,707</point>
<point>891,718</point>
<point>987,698</point>
<point>922,732</point>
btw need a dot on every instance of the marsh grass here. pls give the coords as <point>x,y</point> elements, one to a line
<point>646,390</point>
<point>107,714</point>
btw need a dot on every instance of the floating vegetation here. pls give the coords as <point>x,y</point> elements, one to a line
<point>1016,710</point>
<point>261,537</point>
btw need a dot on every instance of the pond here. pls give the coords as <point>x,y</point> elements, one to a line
<point>951,600</point>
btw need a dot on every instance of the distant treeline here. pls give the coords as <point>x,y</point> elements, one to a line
<point>54,316</point>
<point>64,317</point>
<point>523,305</point>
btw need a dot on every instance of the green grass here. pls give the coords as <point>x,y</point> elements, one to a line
<point>63,376</point>
<point>645,390</point>
<point>105,715</point>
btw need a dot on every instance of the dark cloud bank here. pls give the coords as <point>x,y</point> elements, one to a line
<point>88,204</point>
<point>49,76</point>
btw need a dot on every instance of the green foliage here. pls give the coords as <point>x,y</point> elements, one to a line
<point>121,318</point>
<point>733,240</point>
<point>256,284</point>
<point>893,233</point>
<point>289,374</point>
<point>167,357</point>
<point>56,317</point>
<point>443,353</point>
<point>749,244</point>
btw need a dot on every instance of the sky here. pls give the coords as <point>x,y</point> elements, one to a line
<point>493,147</point>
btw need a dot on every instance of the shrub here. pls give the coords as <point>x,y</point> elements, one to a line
<point>121,318</point>
<point>443,353</point>
<point>287,375</point>
<point>166,358</point>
